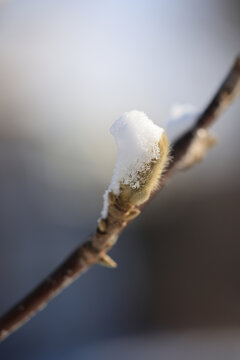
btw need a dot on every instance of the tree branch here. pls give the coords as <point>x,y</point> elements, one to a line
<point>94,250</point>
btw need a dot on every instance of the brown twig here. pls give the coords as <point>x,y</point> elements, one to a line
<point>94,250</point>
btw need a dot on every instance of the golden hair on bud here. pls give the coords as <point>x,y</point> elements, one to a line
<point>202,142</point>
<point>148,179</point>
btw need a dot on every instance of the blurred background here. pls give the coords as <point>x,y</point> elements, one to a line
<point>68,69</point>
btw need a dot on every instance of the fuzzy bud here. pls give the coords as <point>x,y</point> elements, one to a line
<point>142,156</point>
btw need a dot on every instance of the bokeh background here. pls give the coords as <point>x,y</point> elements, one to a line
<point>68,69</point>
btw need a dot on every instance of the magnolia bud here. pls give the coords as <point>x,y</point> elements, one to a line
<point>142,156</point>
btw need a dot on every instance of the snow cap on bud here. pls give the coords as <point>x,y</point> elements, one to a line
<point>142,155</point>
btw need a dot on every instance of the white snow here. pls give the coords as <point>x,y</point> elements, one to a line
<point>182,117</point>
<point>137,139</point>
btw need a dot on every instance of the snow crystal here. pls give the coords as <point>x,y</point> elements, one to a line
<point>137,139</point>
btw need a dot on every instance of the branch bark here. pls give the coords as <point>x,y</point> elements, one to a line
<point>95,248</point>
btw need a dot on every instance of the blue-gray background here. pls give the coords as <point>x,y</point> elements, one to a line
<point>68,69</point>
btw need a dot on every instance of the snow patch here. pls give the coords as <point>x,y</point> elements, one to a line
<point>182,117</point>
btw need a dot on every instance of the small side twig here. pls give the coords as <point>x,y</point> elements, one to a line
<point>94,250</point>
